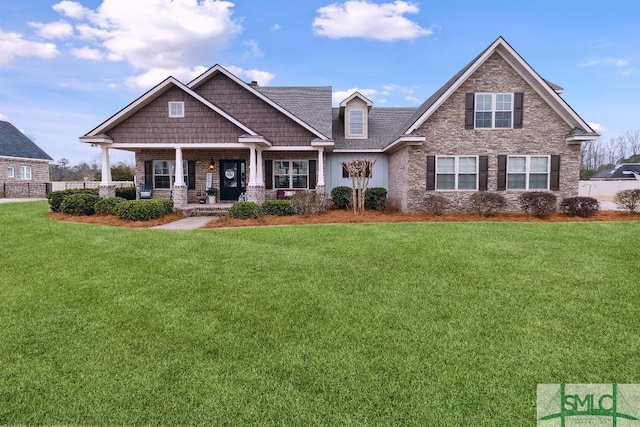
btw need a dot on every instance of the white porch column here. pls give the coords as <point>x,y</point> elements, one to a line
<point>252,166</point>
<point>259,174</point>
<point>179,170</point>
<point>106,167</point>
<point>180,196</point>
<point>320,167</point>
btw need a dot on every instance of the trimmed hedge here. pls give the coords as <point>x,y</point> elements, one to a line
<point>245,210</point>
<point>629,200</point>
<point>55,198</point>
<point>309,202</point>
<point>374,197</point>
<point>435,204</point>
<point>79,204</point>
<point>143,210</point>
<point>278,208</point>
<point>127,193</point>
<point>105,206</point>
<point>487,203</point>
<point>538,203</point>
<point>580,206</point>
<point>341,197</point>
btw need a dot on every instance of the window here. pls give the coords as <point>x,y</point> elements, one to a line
<point>291,173</point>
<point>11,172</point>
<point>493,110</point>
<point>345,172</point>
<point>176,109</point>
<point>164,173</point>
<point>528,172</point>
<point>456,173</point>
<point>356,123</point>
<point>25,172</point>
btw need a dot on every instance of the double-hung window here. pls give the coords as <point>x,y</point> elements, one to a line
<point>528,172</point>
<point>164,172</point>
<point>291,173</point>
<point>25,172</point>
<point>356,123</point>
<point>494,110</point>
<point>456,173</point>
<point>11,172</point>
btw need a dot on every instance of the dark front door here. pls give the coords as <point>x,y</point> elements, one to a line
<point>232,179</point>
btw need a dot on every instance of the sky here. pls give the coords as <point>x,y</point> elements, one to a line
<point>67,66</point>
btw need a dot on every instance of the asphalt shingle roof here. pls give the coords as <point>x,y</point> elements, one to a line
<point>622,171</point>
<point>385,126</point>
<point>14,143</point>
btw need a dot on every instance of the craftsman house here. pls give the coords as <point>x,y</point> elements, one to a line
<point>24,167</point>
<point>495,125</point>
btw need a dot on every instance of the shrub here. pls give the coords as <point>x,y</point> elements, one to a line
<point>341,197</point>
<point>629,200</point>
<point>374,197</point>
<point>79,204</point>
<point>143,210</point>
<point>435,204</point>
<point>487,203</point>
<point>245,210</point>
<point>55,198</point>
<point>580,206</point>
<point>389,205</point>
<point>538,203</point>
<point>278,208</point>
<point>127,193</point>
<point>105,206</point>
<point>309,202</point>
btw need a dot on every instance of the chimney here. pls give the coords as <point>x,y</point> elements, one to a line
<point>253,83</point>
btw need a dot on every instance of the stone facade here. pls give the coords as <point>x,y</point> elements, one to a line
<point>14,186</point>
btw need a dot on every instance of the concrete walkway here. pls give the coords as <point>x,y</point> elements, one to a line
<point>187,223</point>
<point>25,199</point>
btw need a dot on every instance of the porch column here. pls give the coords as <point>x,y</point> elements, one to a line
<point>255,188</point>
<point>252,166</point>
<point>179,187</point>
<point>320,167</point>
<point>259,174</point>
<point>107,187</point>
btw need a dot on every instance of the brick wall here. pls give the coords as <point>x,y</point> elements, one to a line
<point>16,187</point>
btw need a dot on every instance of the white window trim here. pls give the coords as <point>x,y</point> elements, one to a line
<point>172,173</point>
<point>25,173</point>
<point>348,128</point>
<point>11,172</point>
<point>171,104</point>
<point>493,109</point>
<point>457,173</point>
<point>528,172</point>
<point>291,174</point>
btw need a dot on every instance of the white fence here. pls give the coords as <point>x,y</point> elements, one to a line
<point>72,185</point>
<point>605,190</point>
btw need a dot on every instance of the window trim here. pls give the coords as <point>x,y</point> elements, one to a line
<point>171,104</point>
<point>457,173</point>
<point>24,175</point>
<point>290,174</point>
<point>528,172</point>
<point>361,121</point>
<point>11,172</point>
<point>493,110</point>
<point>172,174</point>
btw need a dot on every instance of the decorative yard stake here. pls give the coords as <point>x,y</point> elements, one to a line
<point>360,174</point>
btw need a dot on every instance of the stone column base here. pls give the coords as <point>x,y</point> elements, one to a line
<point>320,189</point>
<point>179,196</point>
<point>107,190</point>
<point>255,193</point>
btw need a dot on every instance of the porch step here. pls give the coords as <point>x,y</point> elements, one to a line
<point>197,209</point>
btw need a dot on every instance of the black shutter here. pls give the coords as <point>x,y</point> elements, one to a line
<point>517,110</point>
<point>268,174</point>
<point>148,172</point>
<point>431,173</point>
<point>191,174</point>
<point>483,172</point>
<point>468,110</point>
<point>555,173</point>
<point>313,178</point>
<point>502,172</point>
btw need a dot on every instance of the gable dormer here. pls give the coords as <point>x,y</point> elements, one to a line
<point>355,112</point>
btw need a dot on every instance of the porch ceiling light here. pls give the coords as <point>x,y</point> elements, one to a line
<point>212,165</point>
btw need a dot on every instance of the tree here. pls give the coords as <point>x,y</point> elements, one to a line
<point>360,174</point>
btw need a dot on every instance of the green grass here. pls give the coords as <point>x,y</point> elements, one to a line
<point>436,324</point>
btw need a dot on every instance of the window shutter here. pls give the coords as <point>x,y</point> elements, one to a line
<point>502,172</point>
<point>468,110</point>
<point>191,174</point>
<point>517,110</point>
<point>431,173</point>
<point>268,174</point>
<point>313,178</point>
<point>555,173</point>
<point>483,175</point>
<point>148,171</point>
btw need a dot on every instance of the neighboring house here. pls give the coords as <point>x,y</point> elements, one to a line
<point>24,167</point>
<point>624,171</point>
<point>495,125</point>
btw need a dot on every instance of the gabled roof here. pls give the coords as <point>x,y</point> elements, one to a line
<point>204,77</point>
<point>546,90</point>
<point>14,143</point>
<point>151,95</point>
<point>358,95</point>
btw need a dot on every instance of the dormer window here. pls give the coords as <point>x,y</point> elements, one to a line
<point>355,111</point>
<point>176,109</point>
<point>356,123</point>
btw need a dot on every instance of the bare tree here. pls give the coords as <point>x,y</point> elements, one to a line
<point>633,141</point>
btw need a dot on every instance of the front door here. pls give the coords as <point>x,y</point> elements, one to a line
<point>232,179</point>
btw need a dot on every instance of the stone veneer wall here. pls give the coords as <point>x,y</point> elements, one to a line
<point>16,187</point>
<point>543,133</point>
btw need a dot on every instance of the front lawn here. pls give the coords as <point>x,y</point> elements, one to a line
<point>440,324</point>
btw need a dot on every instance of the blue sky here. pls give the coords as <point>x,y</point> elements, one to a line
<point>66,66</point>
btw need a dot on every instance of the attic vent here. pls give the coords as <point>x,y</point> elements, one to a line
<point>254,83</point>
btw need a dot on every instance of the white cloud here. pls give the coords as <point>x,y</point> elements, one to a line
<point>89,53</point>
<point>597,127</point>
<point>12,45</point>
<point>155,75</point>
<point>275,27</point>
<point>253,50</point>
<point>4,118</point>
<point>72,9</point>
<point>54,30</point>
<point>621,65</point>
<point>341,95</point>
<point>262,77</point>
<point>362,18</point>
